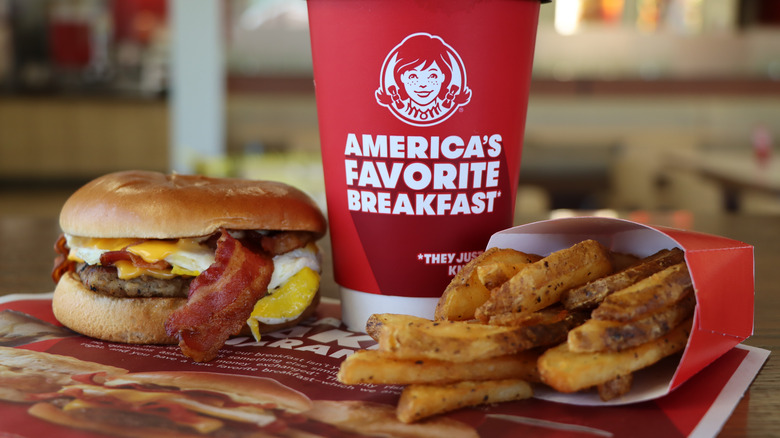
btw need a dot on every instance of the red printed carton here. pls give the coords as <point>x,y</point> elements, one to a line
<point>722,271</point>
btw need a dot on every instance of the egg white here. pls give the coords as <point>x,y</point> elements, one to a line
<point>189,255</point>
<point>288,264</point>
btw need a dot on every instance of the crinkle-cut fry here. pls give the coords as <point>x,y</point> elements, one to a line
<point>542,283</point>
<point>567,371</point>
<point>593,293</point>
<point>467,290</point>
<point>646,296</point>
<point>380,367</point>
<point>599,335</point>
<point>422,401</point>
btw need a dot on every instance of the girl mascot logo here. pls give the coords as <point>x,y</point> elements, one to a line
<point>423,81</point>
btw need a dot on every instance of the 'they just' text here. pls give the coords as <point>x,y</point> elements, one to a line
<point>454,260</point>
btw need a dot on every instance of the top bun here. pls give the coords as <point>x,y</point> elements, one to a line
<point>154,205</point>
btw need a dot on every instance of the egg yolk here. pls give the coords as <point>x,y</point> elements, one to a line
<point>286,302</point>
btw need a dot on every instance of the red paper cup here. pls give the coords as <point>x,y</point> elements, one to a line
<point>422,108</point>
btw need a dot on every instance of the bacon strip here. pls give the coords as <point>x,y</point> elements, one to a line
<point>61,263</point>
<point>221,299</point>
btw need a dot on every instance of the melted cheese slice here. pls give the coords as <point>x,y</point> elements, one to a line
<point>127,270</point>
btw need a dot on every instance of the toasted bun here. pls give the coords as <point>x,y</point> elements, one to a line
<point>127,320</point>
<point>155,205</point>
<point>246,389</point>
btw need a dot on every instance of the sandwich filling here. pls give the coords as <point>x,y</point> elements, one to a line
<point>131,268</point>
<point>168,259</point>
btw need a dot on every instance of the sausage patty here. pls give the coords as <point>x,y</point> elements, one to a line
<point>104,280</point>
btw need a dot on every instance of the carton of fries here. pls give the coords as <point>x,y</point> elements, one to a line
<point>586,311</point>
<point>722,275</point>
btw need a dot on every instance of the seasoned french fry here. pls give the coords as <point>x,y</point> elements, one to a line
<point>601,316</point>
<point>467,291</point>
<point>421,401</point>
<point>381,367</point>
<point>646,296</point>
<point>455,341</point>
<point>616,387</point>
<point>599,335</point>
<point>549,315</point>
<point>621,260</point>
<point>541,283</point>
<point>376,321</point>
<point>544,327</point>
<point>567,371</point>
<point>503,265</point>
<point>593,293</point>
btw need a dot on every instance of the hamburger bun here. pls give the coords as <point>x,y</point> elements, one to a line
<point>155,205</point>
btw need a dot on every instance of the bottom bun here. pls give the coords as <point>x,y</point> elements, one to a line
<point>128,320</point>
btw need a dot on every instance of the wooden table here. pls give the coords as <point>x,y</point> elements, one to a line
<point>26,256</point>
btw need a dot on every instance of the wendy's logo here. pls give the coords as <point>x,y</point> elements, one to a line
<point>423,81</point>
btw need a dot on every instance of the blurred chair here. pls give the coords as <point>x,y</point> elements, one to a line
<point>641,180</point>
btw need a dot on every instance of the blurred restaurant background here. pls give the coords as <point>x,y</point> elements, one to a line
<point>636,105</point>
